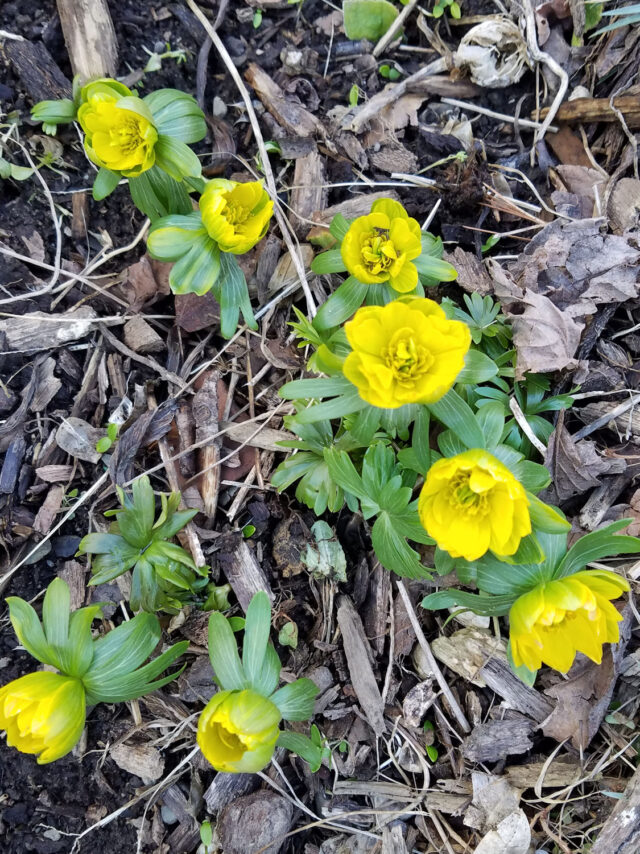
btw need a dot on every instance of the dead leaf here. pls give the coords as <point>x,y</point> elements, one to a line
<point>575,467</point>
<point>624,205</point>
<point>578,268</point>
<point>194,312</point>
<point>465,652</point>
<point>149,427</point>
<point>494,798</point>
<point>546,338</point>
<point>79,439</point>
<point>511,836</point>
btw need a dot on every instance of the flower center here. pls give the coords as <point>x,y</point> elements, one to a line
<point>230,745</point>
<point>407,358</point>
<point>235,213</point>
<point>127,135</point>
<point>378,252</point>
<point>464,498</point>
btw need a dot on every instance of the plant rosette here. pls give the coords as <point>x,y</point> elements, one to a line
<point>164,576</point>
<point>556,607</point>
<point>44,713</point>
<point>232,218</point>
<point>386,255</point>
<point>239,728</point>
<point>143,139</point>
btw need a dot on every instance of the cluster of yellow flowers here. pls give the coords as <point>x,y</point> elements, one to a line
<point>410,353</point>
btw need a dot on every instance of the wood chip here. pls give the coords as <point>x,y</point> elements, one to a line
<point>41,331</point>
<point>494,740</point>
<point>257,822</point>
<point>90,37</point>
<point>47,386</point>
<point>358,655</point>
<point>292,116</point>
<point>11,465</point>
<point>621,831</point>
<point>75,573</point>
<point>142,337</point>
<point>142,760</point>
<point>243,572</point>
<point>48,510</point>
<point>309,191</point>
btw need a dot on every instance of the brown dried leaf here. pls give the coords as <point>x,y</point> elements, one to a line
<point>575,467</point>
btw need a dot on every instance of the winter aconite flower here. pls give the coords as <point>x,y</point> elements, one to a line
<point>380,247</point>
<point>557,619</point>
<point>43,713</point>
<point>405,352</point>
<point>471,503</point>
<point>238,730</point>
<point>119,131</point>
<point>235,215</point>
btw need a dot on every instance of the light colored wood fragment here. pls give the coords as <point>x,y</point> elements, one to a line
<point>90,37</point>
<point>142,337</point>
<point>358,655</point>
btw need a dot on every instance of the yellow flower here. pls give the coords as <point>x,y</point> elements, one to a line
<point>119,131</point>
<point>235,215</point>
<point>559,618</point>
<point>43,713</point>
<point>471,503</point>
<point>380,247</point>
<point>405,352</point>
<point>238,730</point>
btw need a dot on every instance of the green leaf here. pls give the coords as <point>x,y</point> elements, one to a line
<point>394,552</point>
<point>29,630</point>
<point>173,236</point>
<point>197,272</point>
<point>55,614</point>
<point>484,606</point>
<point>157,194</point>
<point>61,111</point>
<point>339,227</point>
<point>296,700</point>
<point>223,652</point>
<point>256,636</point>
<point>343,471</point>
<point>492,419</point>
<point>328,262</point>
<point>136,522</point>
<point>346,404</point>
<point>79,651</point>
<point>478,368</point>
<point>367,19</point>
<point>233,295</point>
<point>316,388</point>
<point>176,158</point>
<point>299,744</point>
<point>115,556</point>
<point>341,305</point>
<point>529,551</point>
<point>496,577</point>
<point>105,183</point>
<point>435,268</point>
<point>546,518</point>
<point>455,414</point>
<point>267,680</point>
<point>177,115</point>
<point>532,476</point>
<point>596,546</point>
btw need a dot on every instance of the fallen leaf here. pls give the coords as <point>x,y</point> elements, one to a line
<point>511,836</point>
<point>494,798</point>
<point>575,467</point>
<point>79,439</point>
<point>546,339</point>
<point>48,510</point>
<point>142,760</point>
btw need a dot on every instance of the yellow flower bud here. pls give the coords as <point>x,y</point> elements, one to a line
<point>119,131</point>
<point>380,247</point>
<point>43,713</point>
<point>235,215</point>
<point>238,730</point>
<point>557,619</point>
<point>405,352</point>
<point>471,503</point>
